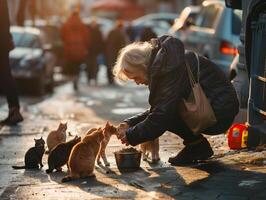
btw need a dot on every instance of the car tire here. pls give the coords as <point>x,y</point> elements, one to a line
<point>50,86</point>
<point>38,86</point>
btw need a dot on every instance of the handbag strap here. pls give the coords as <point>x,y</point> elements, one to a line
<point>190,74</point>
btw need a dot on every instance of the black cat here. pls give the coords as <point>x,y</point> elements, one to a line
<point>60,154</point>
<point>33,157</point>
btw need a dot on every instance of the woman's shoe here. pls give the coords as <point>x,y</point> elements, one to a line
<point>193,152</point>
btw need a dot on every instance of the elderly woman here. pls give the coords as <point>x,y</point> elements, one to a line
<point>160,64</point>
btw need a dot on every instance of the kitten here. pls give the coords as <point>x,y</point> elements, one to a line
<point>33,157</point>
<point>82,158</point>
<point>60,154</point>
<point>108,131</point>
<point>57,136</point>
<point>150,147</point>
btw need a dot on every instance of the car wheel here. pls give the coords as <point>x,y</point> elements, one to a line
<point>50,86</point>
<point>38,86</point>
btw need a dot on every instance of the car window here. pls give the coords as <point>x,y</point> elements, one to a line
<point>22,39</point>
<point>16,38</point>
<point>192,16</point>
<point>208,15</point>
<point>236,21</point>
<point>30,40</point>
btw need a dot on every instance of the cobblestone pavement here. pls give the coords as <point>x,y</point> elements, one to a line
<point>228,175</point>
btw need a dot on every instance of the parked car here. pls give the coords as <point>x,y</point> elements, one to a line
<point>31,60</point>
<point>105,24</point>
<point>166,17</point>
<point>159,22</point>
<point>186,18</point>
<point>215,33</point>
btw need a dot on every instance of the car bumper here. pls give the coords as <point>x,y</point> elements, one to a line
<point>26,74</point>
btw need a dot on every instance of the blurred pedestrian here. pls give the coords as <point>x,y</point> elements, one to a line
<point>7,82</point>
<point>147,34</point>
<point>115,41</point>
<point>95,49</point>
<point>130,32</point>
<point>161,65</point>
<point>75,37</point>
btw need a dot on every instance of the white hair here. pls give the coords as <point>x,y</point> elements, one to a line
<point>132,59</point>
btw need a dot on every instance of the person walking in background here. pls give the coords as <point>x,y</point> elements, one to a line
<point>7,82</point>
<point>75,37</point>
<point>115,41</point>
<point>130,32</point>
<point>95,49</point>
<point>147,34</point>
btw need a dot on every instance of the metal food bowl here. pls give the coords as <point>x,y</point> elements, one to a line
<point>128,161</point>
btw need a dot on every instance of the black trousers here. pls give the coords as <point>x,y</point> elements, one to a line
<point>7,82</point>
<point>92,67</point>
<point>178,126</point>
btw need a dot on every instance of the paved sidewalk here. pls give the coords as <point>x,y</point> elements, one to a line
<point>228,175</point>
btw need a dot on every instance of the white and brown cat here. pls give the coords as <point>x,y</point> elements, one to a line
<point>56,137</point>
<point>108,131</point>
<point>83,155</point>
<point>150,147</point>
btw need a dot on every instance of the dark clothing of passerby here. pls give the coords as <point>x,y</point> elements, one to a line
<point>147,34</point>
<point>95,49</point>
<point>115,41</point>
<point>130,33</point>
<point>7,82</point>
<point>168,85</point>
<point>75,37</point>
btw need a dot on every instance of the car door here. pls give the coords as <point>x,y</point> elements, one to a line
<point>200,37</point>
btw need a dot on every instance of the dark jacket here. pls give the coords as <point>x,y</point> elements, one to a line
<point>115,41</point>
<point>6,43</point>
<point>97,43</point>
<point>169,83</point>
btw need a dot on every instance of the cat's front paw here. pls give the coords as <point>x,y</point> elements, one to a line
<point>155,160</point>
<point>99,162</point>
<point>144,159</point>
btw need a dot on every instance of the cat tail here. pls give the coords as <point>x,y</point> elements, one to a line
<point>67,179</point>
<point>19,167</point>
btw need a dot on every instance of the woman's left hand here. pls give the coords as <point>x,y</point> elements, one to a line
<point>124,140</point>
<point>123,137</point>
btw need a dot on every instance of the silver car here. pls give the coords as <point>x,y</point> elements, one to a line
<point>32,61</point>
<point>215,33</point>
<point>186,18</point>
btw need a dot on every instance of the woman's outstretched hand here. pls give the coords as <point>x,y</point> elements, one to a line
<point>121,129</point>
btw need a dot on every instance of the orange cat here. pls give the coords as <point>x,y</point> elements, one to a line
<point>150,147</point>
<point>57,136</point>
<point>83,155</point>
<point>108,131</point>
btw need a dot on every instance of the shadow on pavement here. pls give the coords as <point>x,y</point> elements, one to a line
<point>98,186</point>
